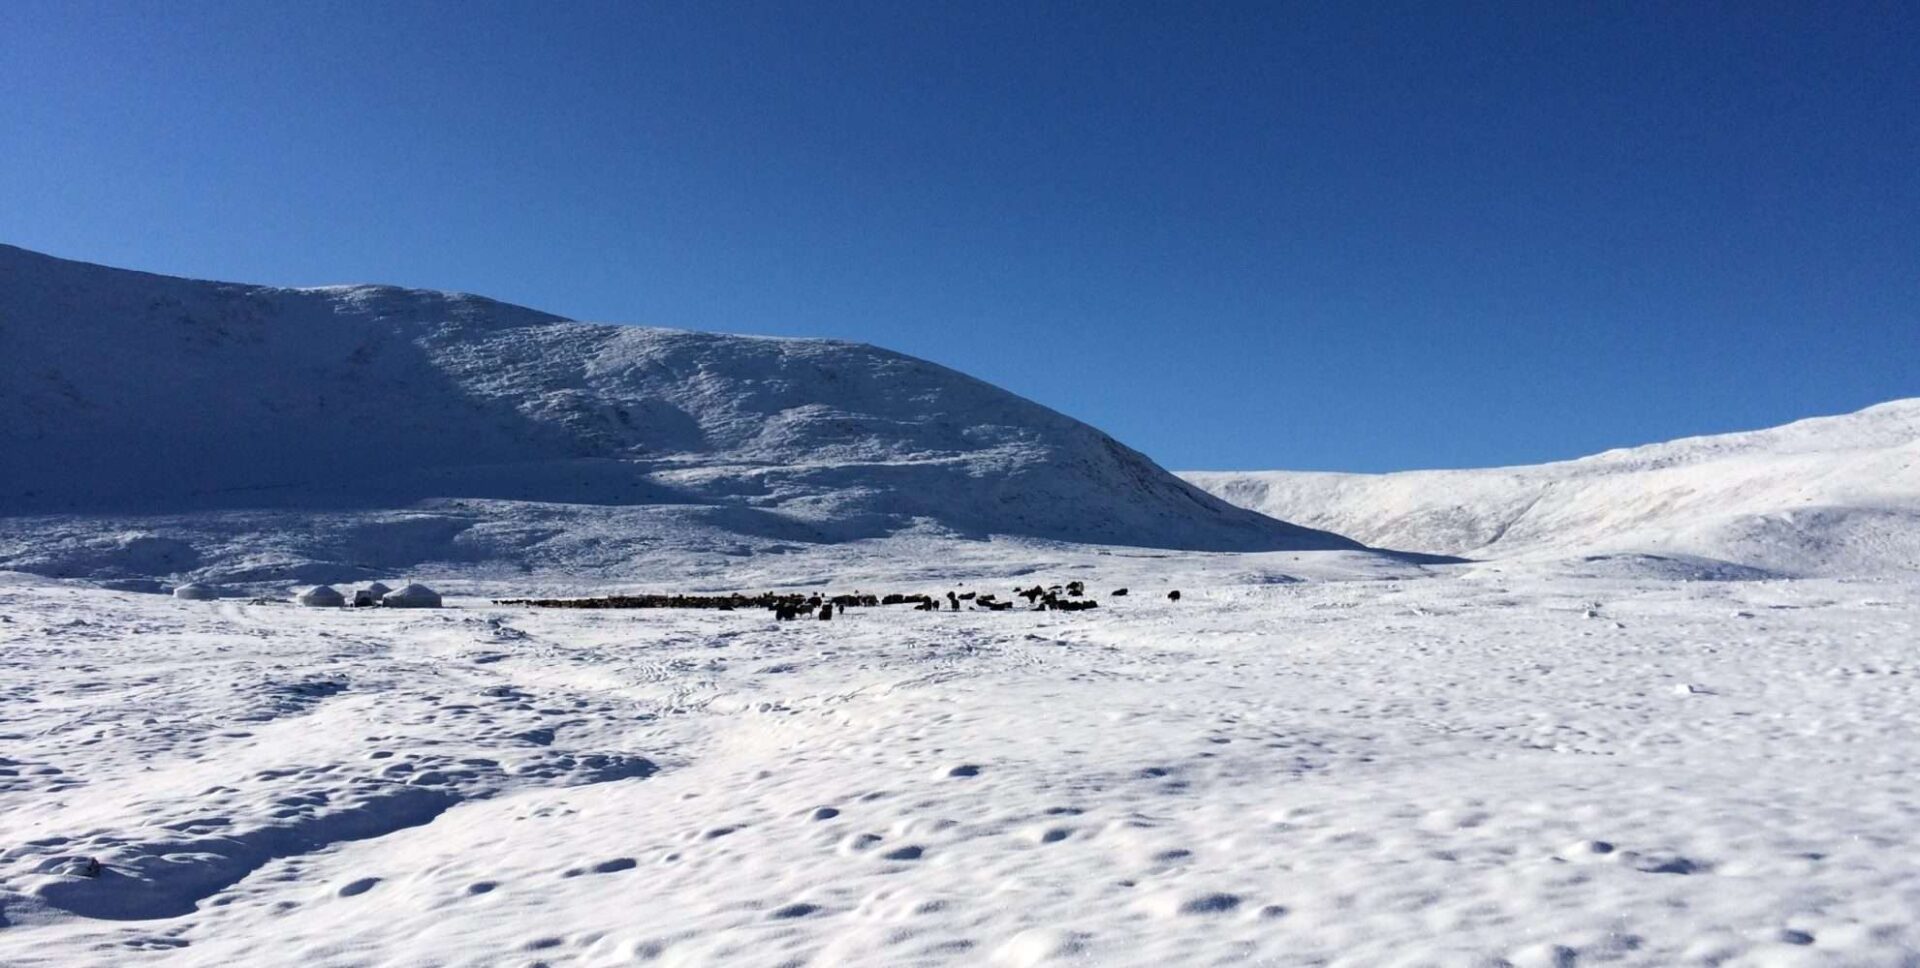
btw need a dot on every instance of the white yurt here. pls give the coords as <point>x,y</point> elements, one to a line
<point>412,596</point>
<point>321,596</point>
<point>370,595</point>
<point>194,591</point>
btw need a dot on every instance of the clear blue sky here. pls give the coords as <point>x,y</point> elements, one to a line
<point>1344,236</point>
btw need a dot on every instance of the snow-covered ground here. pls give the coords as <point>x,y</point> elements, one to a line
<point>1381,763</point>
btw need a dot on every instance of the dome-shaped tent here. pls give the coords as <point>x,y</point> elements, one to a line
<point>412,596</point>
<point>321,596</point>
<point>196,592</point>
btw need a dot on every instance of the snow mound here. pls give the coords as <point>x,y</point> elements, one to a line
<point>1828,495</point>
<point>361,399</point>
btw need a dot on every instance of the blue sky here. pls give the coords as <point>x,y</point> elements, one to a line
<point>1321,236</point>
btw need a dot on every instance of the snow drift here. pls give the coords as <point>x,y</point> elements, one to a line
<point>142,414</point>
<point>1829,495</point>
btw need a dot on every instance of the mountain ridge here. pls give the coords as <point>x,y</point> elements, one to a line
<point>1818,495</point>
<point>130,394</point>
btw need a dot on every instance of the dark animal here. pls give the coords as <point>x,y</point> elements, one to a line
<point>1119,593</point>
<point>1173,596</point>
<point>826,613</point>
<point>1076,589</point>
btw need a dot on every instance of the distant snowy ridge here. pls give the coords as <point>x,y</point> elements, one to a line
<point>138,412</point>
<point>1824,495</point>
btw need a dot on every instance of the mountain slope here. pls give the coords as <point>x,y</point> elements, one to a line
<point>1816,496</point>
<point>126,395</point>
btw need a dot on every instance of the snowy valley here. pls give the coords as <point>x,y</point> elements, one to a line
<point>1654,707</point>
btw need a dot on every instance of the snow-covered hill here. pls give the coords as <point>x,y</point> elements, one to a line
<point>1826,495</point>
<point>161,426</point>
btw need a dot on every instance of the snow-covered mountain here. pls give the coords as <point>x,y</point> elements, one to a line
<point>147,423</point>
<point>1825,495</point>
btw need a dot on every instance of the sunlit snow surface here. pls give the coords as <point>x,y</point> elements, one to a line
<point>1382,763</point>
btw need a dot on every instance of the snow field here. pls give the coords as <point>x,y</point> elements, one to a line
<point>1468,765</point>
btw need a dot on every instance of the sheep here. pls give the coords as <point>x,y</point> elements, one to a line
<point>1173,596</point>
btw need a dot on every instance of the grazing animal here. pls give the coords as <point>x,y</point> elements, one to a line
<point>826,612</point>
<point>1173,596</point>
<point>1076,588</point>
<point>1119,593</point>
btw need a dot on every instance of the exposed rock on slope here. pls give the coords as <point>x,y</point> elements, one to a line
<point>128,400</point>
<point>1826,495</point>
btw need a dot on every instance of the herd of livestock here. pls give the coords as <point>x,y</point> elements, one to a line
<point>785,606</point>
<point>1069,597</point>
